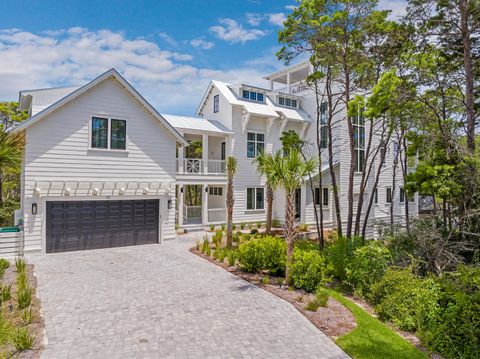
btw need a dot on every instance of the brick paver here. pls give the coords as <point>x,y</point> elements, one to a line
<point>161,301</point>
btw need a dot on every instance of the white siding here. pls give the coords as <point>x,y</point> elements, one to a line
<point>57,149</point>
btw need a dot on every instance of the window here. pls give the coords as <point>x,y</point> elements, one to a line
<point>376,196</point>
<point>99,132</point>
<point>283,101</point>
<point>325,197</point>
<point>109,133</point>
<point>216,103</point>
<point>215,191</point>
<point>323,125</point>
<point>402,195</point>
<point>118,138</point>
<point>389,194</point>
<point>252,95</point>
<point>395,150</point>
<point>223,151</point>
<point>359,141</point>
<point>255,198</point>
<point>255,144</point>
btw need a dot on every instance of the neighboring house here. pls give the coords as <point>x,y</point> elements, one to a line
<point>103,168</point>
<point>98,168</point>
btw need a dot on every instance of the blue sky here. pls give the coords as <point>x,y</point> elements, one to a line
<point>169,50</point>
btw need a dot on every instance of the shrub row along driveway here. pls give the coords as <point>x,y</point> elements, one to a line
<point>162,301</point>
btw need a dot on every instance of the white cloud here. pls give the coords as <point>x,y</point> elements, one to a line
<point>290,7</point>
<point>277,18</point>
<point>77,55</point>
<point>168,39</point>
<point>202,44</point>
<point>398,7</point>
<point>254,19</point>
<point>233,32</point>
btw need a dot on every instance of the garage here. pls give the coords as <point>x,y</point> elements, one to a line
<point>82,225</point>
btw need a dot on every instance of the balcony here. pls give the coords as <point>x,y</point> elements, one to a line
<point>294,89</point>
<point>195,166</point>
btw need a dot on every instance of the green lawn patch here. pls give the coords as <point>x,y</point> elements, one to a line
<point>373,339</point>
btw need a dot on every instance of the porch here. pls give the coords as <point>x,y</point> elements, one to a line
<point>201,204</point>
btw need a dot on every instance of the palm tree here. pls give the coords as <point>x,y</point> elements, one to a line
<point>231,166</point>
<point>265,163</point>
<point>290,172</point>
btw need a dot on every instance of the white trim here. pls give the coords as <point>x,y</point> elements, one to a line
<point>255,199</point>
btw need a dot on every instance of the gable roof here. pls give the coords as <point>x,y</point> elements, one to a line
<point>266,109</point>
<point>197,124</point>
<point>112,73</point>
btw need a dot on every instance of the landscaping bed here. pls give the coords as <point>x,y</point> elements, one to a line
<point>21,322</point>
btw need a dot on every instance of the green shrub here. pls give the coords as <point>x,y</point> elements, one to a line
<point>20,264</point>
<point>250,225</point>
<point>366,266</point>
<point>306,245</point>
<point>231,255</point>
<point>400,297</point>
<point>259,224</point>
<point>266,253</point>
<point>242,225</point>
<point>5,292</point>
<point>234,226</point>
<point>22,339</point>
<point>303,227</point>
<point>219,254</point>
<point>22,280</point>
<point>217,238</point>
<point>212,227</point>
<point>339,253</point>
<point>254,231</point>
<point>4,264</point>
<point>276,223</point>
<point>205,245</point>
<point>265,280</point>
<point>312,305</point>
<point>453,328</point>
<point>223,226</point>
<point>24,297</point>
<point>309,270</point>
<point>322,296</point>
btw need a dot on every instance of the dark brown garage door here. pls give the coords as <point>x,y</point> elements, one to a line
<point>79,225</point>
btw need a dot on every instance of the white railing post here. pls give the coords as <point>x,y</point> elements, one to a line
<point>204,205</point>
<point>180,206</point>
<point>180,161</point>
<point>205,153</point>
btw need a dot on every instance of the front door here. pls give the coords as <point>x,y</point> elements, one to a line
<point>298,201</point>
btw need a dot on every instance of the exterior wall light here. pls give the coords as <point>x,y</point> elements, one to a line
<point>34,208</point>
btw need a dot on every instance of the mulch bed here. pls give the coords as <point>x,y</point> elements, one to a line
<point>334,320</point>
<point>9,310</point>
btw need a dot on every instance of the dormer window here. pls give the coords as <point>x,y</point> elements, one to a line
<point>287,102</point>
<point>252,95</point>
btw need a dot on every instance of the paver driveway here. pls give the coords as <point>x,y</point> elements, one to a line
<point>158,301</point>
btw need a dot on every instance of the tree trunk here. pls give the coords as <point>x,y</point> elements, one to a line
<point>353,157</point>
<point>333,177</point>
<point>269,198</point>
<point>289,232</point>
<point>469,77</point>
<point>230,203</point>
<point>405,173</point>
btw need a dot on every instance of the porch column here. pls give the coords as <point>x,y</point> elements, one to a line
<point>303,203</point>
<point>180,206</point>
<point>205,153</point>
<point>288,82</point>
<point>204,205</point>
<point>228,146</point>
<point>180,162</point>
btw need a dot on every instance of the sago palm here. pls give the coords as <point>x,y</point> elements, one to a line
<point>265,162</point>
<point>231,167</point>
<point>11,146</point>
<point>290,172</point>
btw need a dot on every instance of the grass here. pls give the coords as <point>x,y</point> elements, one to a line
<point>371,338</point>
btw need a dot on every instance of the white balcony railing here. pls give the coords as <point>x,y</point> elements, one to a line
<point>295,88</point>
<point>216,215</point>
<point>197,166</point>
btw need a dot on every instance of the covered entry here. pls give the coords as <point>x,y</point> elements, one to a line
<point>80,225</point>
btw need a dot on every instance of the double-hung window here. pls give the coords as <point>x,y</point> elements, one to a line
<point>376,196</point>
<point>108,133</point>
<point>359,140</point>
<point>389,195</point>
<point>216,103</point>
<point>255,144</point>
<point>324,198</point>
<point>323,125</point>
<point>402,195</point>
<point>255,198</point>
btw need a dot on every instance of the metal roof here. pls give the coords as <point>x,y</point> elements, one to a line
<point>196,124</point>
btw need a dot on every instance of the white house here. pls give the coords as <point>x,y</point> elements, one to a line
<point>98,168</point>
<point>103,168</point>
